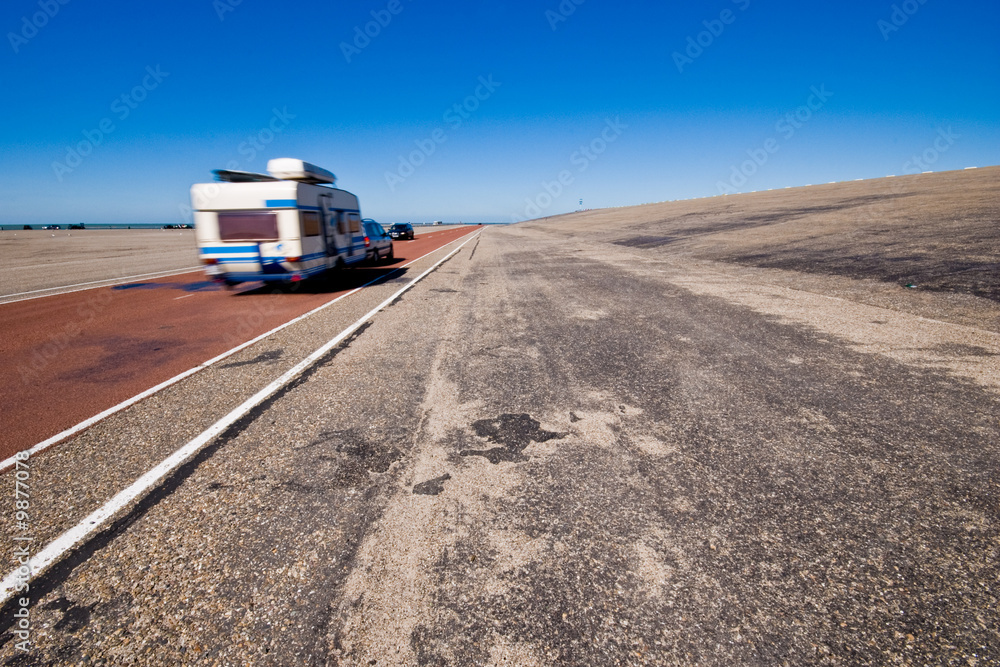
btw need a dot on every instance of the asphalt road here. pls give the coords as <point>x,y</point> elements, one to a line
<point>42,262</point>
<point>558,448</point>
<point>67,357</point>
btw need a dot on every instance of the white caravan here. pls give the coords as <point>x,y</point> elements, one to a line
<point>286,226</point>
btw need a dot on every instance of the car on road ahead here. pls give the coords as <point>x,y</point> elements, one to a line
<point>401,230</point>
<point>378,243</point>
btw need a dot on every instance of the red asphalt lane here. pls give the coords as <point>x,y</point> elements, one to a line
<point>67,357</point>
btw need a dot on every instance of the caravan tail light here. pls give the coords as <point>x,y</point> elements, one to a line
<point>293,259</point>
<point>209,261</point>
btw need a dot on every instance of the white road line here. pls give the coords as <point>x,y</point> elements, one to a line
<point>56,549</point>
<point>183,297</point>
<point>110,282</point>
<point>87,423</point>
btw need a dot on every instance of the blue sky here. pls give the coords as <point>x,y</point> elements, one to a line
<point>612,103</point>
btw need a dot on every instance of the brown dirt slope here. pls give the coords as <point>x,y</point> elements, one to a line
<point>936,232</point>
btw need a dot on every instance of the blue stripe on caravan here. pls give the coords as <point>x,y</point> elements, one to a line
<point>308,208</point>
<point>281,203</point>
<point>246,249</point>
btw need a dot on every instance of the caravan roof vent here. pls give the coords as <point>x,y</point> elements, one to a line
<point>290,169</point>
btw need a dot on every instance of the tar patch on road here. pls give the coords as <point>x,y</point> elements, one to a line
<point>513,433</point>
<point>431,487</point>
<point>375,457</point>
<point>355,457</point>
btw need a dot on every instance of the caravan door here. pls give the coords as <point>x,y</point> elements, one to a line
<point>334,223</point>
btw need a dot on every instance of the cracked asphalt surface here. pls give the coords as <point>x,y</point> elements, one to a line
<point>560,448</point>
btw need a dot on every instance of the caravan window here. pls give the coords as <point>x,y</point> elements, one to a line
<point>355,222</point>
<point>310,223</point>
<point>248,226</point>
